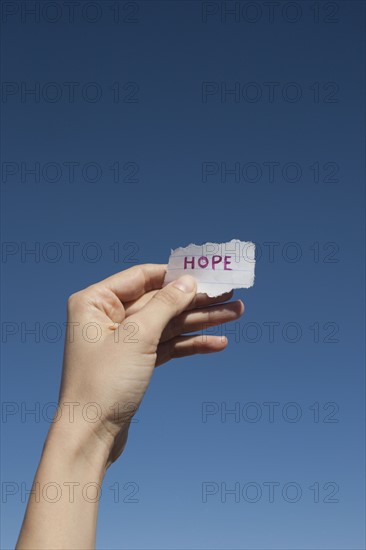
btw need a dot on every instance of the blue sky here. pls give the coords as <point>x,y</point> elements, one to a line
<point>153,127</point>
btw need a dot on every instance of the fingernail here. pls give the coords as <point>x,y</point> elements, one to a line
<point>186,283</point>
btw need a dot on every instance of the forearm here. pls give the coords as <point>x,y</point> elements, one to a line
<point>112,375</point>
<point>62,509</point>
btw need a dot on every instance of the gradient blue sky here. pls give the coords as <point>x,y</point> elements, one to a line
<point>158,57</point>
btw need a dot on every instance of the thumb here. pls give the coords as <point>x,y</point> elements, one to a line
<point>166,304</point>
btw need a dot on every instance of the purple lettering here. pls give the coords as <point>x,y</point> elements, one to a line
<point>203,261</point>
<point>186,261</point>
<point>216,260</point>
<point>227,261</point>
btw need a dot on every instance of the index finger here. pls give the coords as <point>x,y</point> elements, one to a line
<point>132,283</point>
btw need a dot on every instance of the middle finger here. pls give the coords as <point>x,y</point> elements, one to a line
<point>200,319</point>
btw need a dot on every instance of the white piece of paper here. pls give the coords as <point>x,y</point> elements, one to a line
<point>217,267</point>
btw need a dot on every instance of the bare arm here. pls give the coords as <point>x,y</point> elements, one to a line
<point>119,330</point>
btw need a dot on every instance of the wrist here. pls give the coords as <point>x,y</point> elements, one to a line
<point>80,445</point>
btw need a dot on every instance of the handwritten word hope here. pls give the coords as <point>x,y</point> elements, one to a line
<point>204,261</point>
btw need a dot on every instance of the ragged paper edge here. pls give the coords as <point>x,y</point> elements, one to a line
<point>215,244</point>
<point>212,293</point>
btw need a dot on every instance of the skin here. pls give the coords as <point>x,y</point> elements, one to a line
<point>119,330</point>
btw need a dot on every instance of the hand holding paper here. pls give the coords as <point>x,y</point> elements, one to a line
<point>217,267</point>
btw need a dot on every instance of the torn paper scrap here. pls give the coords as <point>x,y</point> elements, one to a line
<point>217,267</point>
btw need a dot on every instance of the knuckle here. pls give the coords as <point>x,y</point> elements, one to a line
<point>195,346</point>
<point>74,300</point>
<point>173,328</point>
<point>78,300</point>
<point>172,350</point>
<point>208,317</point>
<point>168,297</point>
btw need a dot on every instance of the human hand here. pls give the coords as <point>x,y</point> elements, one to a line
<point>118,331</point>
